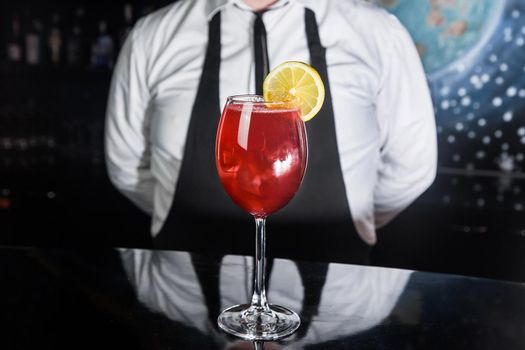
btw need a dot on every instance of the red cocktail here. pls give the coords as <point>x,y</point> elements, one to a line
<point>261,155</point>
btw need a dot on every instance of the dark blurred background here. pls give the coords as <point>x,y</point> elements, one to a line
<point>56,61</point>
<point>55,70</point>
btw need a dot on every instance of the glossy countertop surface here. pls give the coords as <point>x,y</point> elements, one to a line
<point>143,299</point>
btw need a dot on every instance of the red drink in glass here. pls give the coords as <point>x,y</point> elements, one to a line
<point>261,155</point>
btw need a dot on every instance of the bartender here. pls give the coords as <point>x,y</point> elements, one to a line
<point>372,147</point>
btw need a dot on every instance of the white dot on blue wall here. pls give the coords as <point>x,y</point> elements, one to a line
<point>497,101</point>
<point>486,140</point>
<point>507,116</point>
<point>482,122</point>
<point>507,34</point>
<point>512,91</point>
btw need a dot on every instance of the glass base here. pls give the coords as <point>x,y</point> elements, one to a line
<point>253,323</point>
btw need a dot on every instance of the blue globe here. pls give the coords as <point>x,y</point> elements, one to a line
<point>446,30</point>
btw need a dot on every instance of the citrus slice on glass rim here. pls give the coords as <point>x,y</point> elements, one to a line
<point>293,80</point>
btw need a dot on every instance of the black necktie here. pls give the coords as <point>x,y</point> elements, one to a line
<point>262,65</point>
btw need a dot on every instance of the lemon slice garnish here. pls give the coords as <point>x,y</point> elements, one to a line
<point>299,81</point>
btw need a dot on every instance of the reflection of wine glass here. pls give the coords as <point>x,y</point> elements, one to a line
<point>261,155</point>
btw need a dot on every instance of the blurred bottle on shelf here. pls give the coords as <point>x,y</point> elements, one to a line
<point>127,24</point>
<point>75,47</point>
<point>74,50</point>
<point>55,40</point>
<point>103,48</point>
<point>5,198</point>
<point>14,41</point>
<point>34,43</point>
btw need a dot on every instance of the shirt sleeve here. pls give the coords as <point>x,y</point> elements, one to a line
<point>127,126</point>
<point>407,126</point>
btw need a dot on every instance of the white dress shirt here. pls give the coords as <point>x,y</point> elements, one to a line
<point>383,113</point>
<point>353,299</point>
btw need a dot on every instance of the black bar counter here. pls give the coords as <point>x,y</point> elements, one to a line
<point>145,299</point>
<point>464,224</point>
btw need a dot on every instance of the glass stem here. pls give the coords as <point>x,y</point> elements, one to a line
<point>259,274</point>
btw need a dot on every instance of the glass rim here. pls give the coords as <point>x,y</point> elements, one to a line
<point>256,99</point>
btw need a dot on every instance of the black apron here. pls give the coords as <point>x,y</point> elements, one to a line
<point>315,225</point>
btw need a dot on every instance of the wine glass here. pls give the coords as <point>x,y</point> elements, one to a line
<point>261,154</point>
